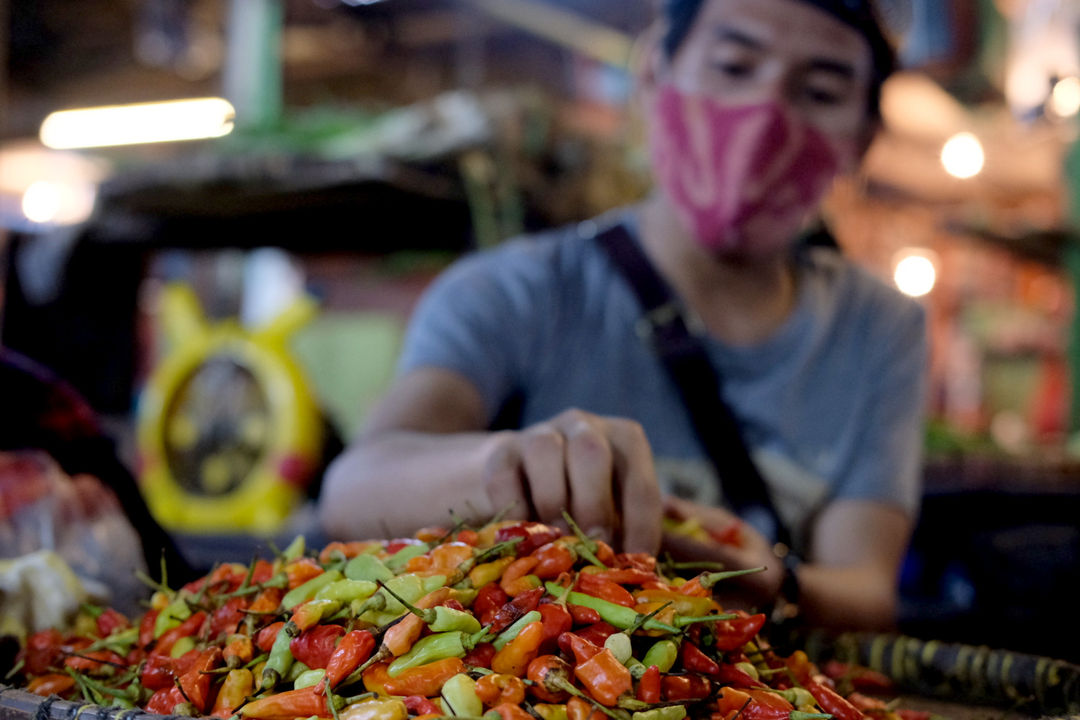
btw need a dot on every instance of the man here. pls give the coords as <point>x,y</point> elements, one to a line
<point>753,107</point>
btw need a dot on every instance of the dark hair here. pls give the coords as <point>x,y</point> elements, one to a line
<point>858,14</point>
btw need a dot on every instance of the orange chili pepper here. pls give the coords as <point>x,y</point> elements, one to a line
<point>419,565</point>
<point>424,680</point>
<point>554,559</point>
<point>355,648</point>
<point>550,674</point>
<point>598,587</point>
<point>515,657</point>
<point>51,684</point>
<point>238,685</point>
<point>196,682</point>
<point>580,709</point>
<point>400,637</point>
<point>449,556</point>
<point>267,601</point>
<point>348,549</point>
<point>300,571</point>
<point>509,711</point>
<point>238,650</point>
<point>469,537</point>
<point>604,677</point>
<point>287,705</point>
<point>516,579</point>
<point>264,639</point>
<point>500,688</point>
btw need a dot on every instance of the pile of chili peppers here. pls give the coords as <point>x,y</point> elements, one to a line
<point>512,621</point>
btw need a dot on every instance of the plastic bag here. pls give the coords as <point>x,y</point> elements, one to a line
<point>78,518</point>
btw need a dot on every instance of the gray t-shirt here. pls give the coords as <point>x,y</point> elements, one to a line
<point>831,405</point>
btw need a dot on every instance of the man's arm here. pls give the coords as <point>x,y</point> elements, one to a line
<point>424,453</point>
<point>850,579</point>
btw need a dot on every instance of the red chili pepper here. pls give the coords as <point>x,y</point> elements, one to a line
<point>397,544</point>
<point>420,705</point>
<point>913,714</point>
<point>800,666</point>
<point>185,629</point>
<point>767,705</point>
<point>728,674</point>
<point>109,621</point>
<point>604,553</point>
<point>353,650</point>
<point>592,584</point>
<point>581,649</point>
<point>604,677</point>
<point>498,688</point>
<point>263,571</point>
<point>694,660</point>
<point>533,535</point>
<point>518,606</point>
<point>92,662</point>
<point>314,646</point>
<point>163,701</point>
<point>467,536</point>
<point>196,682</point>
<point>158,672</point>
<point>557,620</point>
<point>730,534</point>
<point>227,618</point>
<point>678,688</point>
<point>832,702</point>
<point>861,678</point>
<point>548,673</point>
<point>489,599</point>
<point>733,634</point>
<point>649,685</point>
<point>625,576</point>
<point>146,628</point>
<point>480,656</point>
<point>637,561</point>
<point>583,615</point>
<point>51,684</point>
<point>553,560</point>
<point>264,639</point>
<point>598,633</point>
<point>43,650</point>
<point>516,655</point>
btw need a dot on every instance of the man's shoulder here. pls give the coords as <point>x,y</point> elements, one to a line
<point>856,290</point>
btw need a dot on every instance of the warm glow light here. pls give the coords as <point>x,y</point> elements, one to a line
<point>1065,100</point>
<point>141,123</point>
<point>963,156</point>
<point>915,272</point>
<point>41,202</point>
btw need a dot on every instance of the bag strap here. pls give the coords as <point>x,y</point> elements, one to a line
<point>667,330</point>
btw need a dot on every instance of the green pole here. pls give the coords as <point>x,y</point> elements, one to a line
<point>1071,262</point>
<point>252,77</point>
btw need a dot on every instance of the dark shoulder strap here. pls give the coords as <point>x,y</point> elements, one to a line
<point>665,327</point>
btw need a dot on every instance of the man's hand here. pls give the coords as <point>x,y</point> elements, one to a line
<point>600,469</point>
<point>752,550</point>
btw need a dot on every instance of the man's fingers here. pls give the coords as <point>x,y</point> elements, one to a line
<point>503,481</point>
<point>590,472</point>
<point>638,489</point>
<point>543,460</point>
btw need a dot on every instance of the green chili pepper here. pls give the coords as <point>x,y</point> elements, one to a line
<point>346,590</point>
<point>397,561</point>
<point>800,715</point>
<point>437,647</point>
<point>663,654</point>
<point>281,658</point>
<point>684,620</point>
<point>172,615</point>
<point>459,697</point>
<point>369,568</point>
<point>295,549</point>
<point>797,696</point>
<point>297,669</point>
<point>440,618</point>
<point>181,646</point>
<point>309,678</point>
<point>512,631</point>
<point>620,616</point>
<point>306,591</point>
<point>619,645</point>
<point>670,712</point>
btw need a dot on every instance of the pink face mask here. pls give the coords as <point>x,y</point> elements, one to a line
<point>743,179</point>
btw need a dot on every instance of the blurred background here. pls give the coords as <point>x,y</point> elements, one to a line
<point>232,305</point>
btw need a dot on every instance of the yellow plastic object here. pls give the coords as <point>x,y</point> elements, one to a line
<point>228,433</point>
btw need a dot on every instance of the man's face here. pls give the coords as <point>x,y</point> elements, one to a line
<point>747,52</point>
